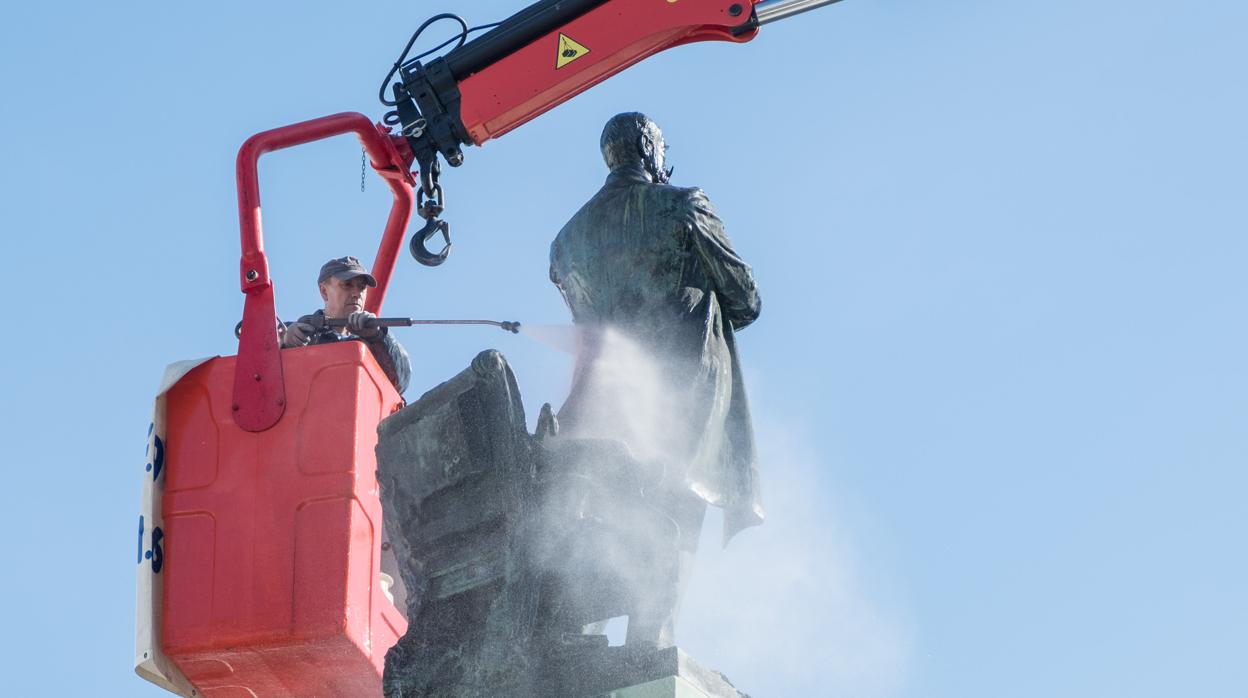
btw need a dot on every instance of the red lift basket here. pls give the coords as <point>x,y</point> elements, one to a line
<point>273,525</point>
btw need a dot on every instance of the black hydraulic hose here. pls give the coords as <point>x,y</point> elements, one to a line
<point>463,34</point>
<point>514,33</point>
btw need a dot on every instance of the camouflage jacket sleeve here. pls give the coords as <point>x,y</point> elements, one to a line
<point>392,358</point>
<point>390,355</point>
<point>733,279</point>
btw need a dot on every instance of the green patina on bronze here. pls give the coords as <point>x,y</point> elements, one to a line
<point>653,261</point>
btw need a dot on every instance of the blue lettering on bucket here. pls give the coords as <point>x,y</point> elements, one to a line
<point>156,554</point>
<point>155,454</point>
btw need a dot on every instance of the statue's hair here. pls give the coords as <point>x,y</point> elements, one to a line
<point>621,138</point>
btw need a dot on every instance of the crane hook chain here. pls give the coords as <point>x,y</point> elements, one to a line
<point>429,204</point>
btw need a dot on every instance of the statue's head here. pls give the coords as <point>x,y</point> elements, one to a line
<point>631,139</point>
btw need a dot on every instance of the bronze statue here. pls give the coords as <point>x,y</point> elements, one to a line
<point>517,547</point>
<point>653,282</point>
<point>650,263</point>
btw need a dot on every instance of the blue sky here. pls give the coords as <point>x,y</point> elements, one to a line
<point>999,377</point>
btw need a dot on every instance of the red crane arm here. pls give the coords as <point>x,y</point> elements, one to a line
<point>535,60</point>
<point>584,52</point>
<point>540,57</point>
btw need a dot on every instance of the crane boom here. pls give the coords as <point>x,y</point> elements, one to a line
<point>537,59</point>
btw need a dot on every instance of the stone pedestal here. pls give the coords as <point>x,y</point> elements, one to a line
<point>623,672</point>
<point>512,545</point>
<point>670,687</point>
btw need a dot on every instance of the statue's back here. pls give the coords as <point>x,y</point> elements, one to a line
<point>625,258</point>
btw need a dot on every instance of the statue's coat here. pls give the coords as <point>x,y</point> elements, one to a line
<point>652,262</point>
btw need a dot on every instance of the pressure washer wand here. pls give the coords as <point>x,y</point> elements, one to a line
<point>509,325</point>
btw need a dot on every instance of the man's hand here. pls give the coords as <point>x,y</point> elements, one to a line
<point>297,334</point>
<point>357,322</point>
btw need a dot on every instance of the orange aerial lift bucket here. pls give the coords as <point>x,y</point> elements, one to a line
<point>263,549</point>
<point>272,539</point>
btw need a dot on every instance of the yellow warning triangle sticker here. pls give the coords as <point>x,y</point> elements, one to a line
<point>569,51</point>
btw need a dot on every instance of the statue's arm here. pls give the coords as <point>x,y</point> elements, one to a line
<point>733,279</point>
<point>554,251</point>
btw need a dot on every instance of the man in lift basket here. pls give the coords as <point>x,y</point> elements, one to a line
<point>344,283</point>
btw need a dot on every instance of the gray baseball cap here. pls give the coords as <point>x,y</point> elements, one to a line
<point>345,268</point>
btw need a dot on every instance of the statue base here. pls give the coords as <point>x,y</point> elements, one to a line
<point>625,672</point>
<point>512,545</point>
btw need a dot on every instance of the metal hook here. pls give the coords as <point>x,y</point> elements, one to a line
<point>429,210</point>
<point>422,254</point>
